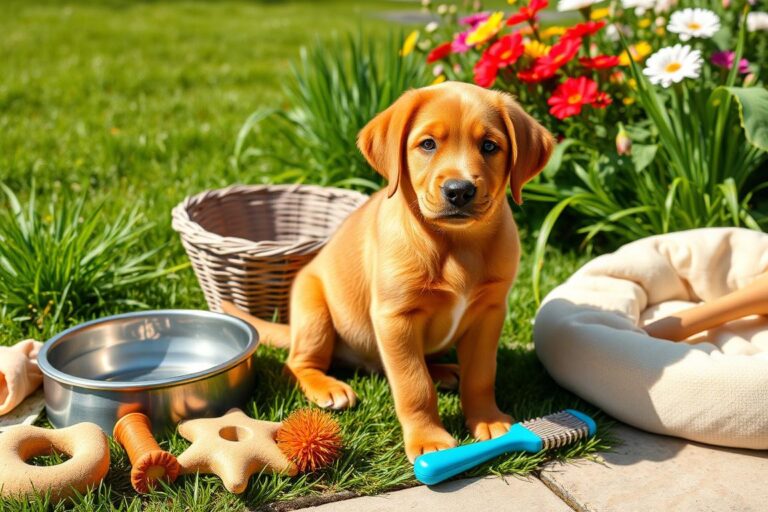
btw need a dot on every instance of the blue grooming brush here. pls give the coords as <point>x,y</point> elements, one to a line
<point>550,431</point>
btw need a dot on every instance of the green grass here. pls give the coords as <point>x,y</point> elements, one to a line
<point>137,105</point>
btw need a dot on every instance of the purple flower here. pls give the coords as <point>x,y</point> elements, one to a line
<point>474,20</point>
<point>459,43</point>
<point>725,59</point>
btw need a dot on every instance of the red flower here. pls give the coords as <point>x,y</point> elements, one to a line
<point>560,54</point>
<point>501,54</point>
<point>530,76</point>
<point>583,29</point>
<point>507,49</point>
<point>602,100</point>
<point>486,70</point>
<point>440,52</point>
<point>573,94</point>
<point>599,62</point>
<point>528,12</point>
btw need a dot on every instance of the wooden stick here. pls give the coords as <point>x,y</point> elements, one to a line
<point>750,300</point>
<point>150,462</point>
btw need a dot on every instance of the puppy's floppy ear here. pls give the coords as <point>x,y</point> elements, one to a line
<point>530,145</point>
<point>382,141</point>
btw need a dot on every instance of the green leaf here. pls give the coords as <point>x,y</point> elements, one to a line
<point>556,160</point>
<point>643,155</point>
<point>253,120</point>
<point>752,103</point>
<point>541,241</point>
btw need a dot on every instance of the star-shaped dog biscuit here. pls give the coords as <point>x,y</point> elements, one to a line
<point>234,447</point>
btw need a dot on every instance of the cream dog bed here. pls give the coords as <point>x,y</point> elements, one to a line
<point>587,335</point>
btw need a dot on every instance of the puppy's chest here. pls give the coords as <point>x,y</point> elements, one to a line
<point>442,326</point>
<point>452,300</point>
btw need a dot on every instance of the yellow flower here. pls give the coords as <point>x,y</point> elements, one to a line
<point>410,43</point>
<point>511,2</point>
<point>639,52</point>
<point>644,23</point>
<point>628,101</point>
<point>660,31</point>
<point>486,30</point>
<point>440,79</point>
<point>632,83</point>
<point>599,14</point>
<point>552,31</point>
<point>535,49</point>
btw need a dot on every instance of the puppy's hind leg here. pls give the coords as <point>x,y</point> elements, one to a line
<point>445,375</point>
<point>312,340</point>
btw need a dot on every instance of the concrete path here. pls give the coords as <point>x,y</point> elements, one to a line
<point>469,495</point>
<point>644,473</point>
<point>650,472</point>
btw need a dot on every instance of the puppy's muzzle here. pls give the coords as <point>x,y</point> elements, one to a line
<point>458,193</point>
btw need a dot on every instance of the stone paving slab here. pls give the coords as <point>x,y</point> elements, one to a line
<point>26,412</point>
<point>649,473</point>
<point>468,495</point>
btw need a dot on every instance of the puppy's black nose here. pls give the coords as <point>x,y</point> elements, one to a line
<point>459,192</point>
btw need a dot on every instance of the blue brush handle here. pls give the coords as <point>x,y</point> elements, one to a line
<point>435,467</point>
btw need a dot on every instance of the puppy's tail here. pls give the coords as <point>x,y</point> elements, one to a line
<point>270,333</point>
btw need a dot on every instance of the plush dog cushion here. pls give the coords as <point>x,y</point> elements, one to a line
<point>587,334</point>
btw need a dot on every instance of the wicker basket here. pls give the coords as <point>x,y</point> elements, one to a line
<point>247,243</point>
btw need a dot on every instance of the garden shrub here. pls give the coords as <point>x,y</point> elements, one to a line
<point>333,91</point>
<point>68,261</point>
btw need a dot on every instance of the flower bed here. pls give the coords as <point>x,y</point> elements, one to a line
<point>659,128</point>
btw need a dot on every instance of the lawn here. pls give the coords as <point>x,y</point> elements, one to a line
<point>139,104</point>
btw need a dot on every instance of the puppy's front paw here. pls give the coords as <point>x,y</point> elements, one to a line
<point>327,392</point>
<point>489,426</point>
<point>427,440</point>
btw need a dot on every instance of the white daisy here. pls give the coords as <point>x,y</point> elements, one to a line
<point>672,64</point>
<point>431,26</point>
<point>757,21</point>
<point>694,23</point>
<point>574,5</point>
<point>640,6</point>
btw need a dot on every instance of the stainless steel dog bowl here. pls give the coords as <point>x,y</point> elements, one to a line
<point>170,365</point>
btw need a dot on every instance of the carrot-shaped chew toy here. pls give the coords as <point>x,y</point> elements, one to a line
<point>551,431</point>
<point>150,462</point>
<point>750,300</point>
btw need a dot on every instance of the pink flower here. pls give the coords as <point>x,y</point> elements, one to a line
<point>473,20</point>
<point>725,59</point>
<point>459,43</point>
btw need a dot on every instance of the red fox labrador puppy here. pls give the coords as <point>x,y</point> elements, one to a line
<point>424,265</point>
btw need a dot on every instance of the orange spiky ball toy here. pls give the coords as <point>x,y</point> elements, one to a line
<point>310,438</point>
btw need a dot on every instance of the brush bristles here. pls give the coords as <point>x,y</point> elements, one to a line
<point>558,429</point>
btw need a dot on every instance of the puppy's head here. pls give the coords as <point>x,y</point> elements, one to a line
<point>455,146</point>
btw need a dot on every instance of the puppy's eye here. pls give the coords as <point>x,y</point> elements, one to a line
<point>428,145</point>
<point>489,146</point>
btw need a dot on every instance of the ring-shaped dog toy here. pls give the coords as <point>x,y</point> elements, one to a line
<point>88,463</point>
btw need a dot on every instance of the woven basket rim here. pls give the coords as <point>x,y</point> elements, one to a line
<point>192,232</point>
